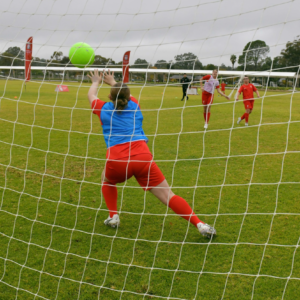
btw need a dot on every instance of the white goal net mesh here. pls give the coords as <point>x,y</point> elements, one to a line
<point>244,181</point>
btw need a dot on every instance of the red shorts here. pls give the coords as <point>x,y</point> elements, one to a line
<point>207,98</point>
<point>249,104</point>
<point>141,166</point>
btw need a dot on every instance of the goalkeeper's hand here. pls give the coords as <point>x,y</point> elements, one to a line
<point>95,77</point>
<point>108,78</point>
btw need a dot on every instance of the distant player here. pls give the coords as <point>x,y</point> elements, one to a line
<point>247,89</point>
<point>128,154</point>
<point>211,83</point>
<point>185,84</point>
<point>223,85</point>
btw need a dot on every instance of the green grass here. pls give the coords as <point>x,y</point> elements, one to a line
<point>52,211</point>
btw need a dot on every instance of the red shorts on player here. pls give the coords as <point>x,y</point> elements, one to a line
<point>207,98</point>
<point>141,166</point>
<point>249,104</point>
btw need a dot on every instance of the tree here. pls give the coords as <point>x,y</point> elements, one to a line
<point>211,67</point>
<point>141,64</point>
<point>16,52</point>
<point>266,64</point>
<point>36,61</point>
<point>12,56</point>
<point>223,67</point>
<point>66,61</point>
<point>57,55</point>
<point>233,60</point>
<point>291,54</point>
<point>162,64</point>
<point>187,61</point>
<point>276,64</point>
<point>253,54</point>
<point>6,59</point>
<point>103,61</point>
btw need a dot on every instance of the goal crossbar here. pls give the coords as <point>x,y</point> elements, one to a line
<point>164,71</point>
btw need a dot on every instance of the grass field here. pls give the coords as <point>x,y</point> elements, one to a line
<point>244,181</point>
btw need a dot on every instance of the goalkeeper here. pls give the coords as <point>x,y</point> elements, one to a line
<point>128,154</point>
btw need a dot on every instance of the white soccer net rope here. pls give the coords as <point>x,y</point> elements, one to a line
<point>243,181</point>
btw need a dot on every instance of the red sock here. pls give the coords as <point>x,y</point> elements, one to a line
<point>207,117</point>
<point>181,207</point>
<point>110,194</point>
<point>246,117</point>
<point>243,116</point>
<point>204,114</point>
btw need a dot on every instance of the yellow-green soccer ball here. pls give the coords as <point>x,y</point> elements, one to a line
<point>81,55</point>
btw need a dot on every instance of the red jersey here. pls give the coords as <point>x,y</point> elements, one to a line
<point>247,90</point>
<point>223,84</point>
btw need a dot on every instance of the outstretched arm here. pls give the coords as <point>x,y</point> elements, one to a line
<point>237,96</point>
<point>96,79</point>
<point>257,93</point>
<point>222,94</point>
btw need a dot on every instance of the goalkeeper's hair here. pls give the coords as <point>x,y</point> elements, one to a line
<point>120,94</point>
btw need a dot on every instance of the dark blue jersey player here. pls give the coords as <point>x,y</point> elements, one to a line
<point>185,84</point>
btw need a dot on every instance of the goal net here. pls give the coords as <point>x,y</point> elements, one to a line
<point>242,180</point>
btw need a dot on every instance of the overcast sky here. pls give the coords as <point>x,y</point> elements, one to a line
<point>152,30</point>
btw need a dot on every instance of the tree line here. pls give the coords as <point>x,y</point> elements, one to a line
<point>253,58</point>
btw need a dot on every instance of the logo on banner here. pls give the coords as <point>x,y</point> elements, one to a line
<point>61,88</point>
<point>28,46</point>
<point>126,57</point>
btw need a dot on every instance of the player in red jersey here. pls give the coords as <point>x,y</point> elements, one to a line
<point>223,85</point>
<point>128,154</point>
<point>211,83</point>
<point>247,89</point>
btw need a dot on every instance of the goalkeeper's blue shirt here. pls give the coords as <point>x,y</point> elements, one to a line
<point>120,127</point>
